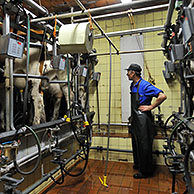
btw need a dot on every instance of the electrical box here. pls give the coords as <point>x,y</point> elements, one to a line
<point>96,76</point>
<point>176,52</point>
<point>188,24</point>
<point>59,62</point>
<point>12,45</point>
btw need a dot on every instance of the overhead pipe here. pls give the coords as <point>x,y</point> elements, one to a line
<point>36,7</point>
<point>110,8</point>
<point>104,16</point>
<point>130,32</point>
<point>129,52</point>
<point>41,10</point>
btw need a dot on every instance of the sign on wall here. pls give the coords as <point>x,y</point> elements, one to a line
<point>129,43</point>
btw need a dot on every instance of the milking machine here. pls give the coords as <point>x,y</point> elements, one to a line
<point>23,146</point>
<point>179,127</point>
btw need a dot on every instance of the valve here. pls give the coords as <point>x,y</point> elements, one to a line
<point>7,151</point>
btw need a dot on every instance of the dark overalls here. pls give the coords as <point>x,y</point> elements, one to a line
<point>143,132</point>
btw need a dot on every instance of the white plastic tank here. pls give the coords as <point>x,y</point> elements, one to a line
<point>75,38</point>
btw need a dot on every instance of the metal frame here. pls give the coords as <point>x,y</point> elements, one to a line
<point>134,11</point>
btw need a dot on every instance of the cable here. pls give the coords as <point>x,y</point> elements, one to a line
<point>38,159</point>
<point>62,176</point>
<point>83,169</point>
<point>165,124</point>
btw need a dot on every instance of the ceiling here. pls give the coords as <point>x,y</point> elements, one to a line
<point>64,6</point>
<point>61,6</point>
<point>42,8</point>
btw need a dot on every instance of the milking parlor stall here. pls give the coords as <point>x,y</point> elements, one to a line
<point>67,75</point>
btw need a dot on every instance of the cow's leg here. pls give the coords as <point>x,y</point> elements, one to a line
<point>56,92</point>
<point>56,108</point>
<point>39,113</point>
<point>66,94</point>
<point>82,96</point>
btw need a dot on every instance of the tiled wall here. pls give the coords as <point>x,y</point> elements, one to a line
<point>155,61</point>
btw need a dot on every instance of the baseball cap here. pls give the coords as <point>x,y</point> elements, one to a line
<point>134,67</point>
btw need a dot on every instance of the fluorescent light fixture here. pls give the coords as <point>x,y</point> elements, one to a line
<point>126,1</point>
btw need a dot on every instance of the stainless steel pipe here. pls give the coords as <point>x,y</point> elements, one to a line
<point>112,8</point>
<point>35,6</point>
<point>113,124</point>
<point>130,32</point>
<point>41,10</point>
<point>11,95</point>
<point>134,11</point>
<point>129,52</point>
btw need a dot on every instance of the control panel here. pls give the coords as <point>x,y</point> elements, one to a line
<point>59,62</point>
<point>12,45</point>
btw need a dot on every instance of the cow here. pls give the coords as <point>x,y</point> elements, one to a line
<point>19,83</point>
<point>57,90</point>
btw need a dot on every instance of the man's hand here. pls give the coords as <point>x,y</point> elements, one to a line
<point>161,97</point>
<point>144,108</point>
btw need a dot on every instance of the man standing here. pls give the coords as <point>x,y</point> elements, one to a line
<point>142,129</point>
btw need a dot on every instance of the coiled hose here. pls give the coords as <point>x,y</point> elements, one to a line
<point>38,159</point>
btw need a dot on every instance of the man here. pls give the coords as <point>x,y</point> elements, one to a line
<point>142,130</point>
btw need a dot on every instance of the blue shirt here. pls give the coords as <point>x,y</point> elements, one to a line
<point>146,91</point>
